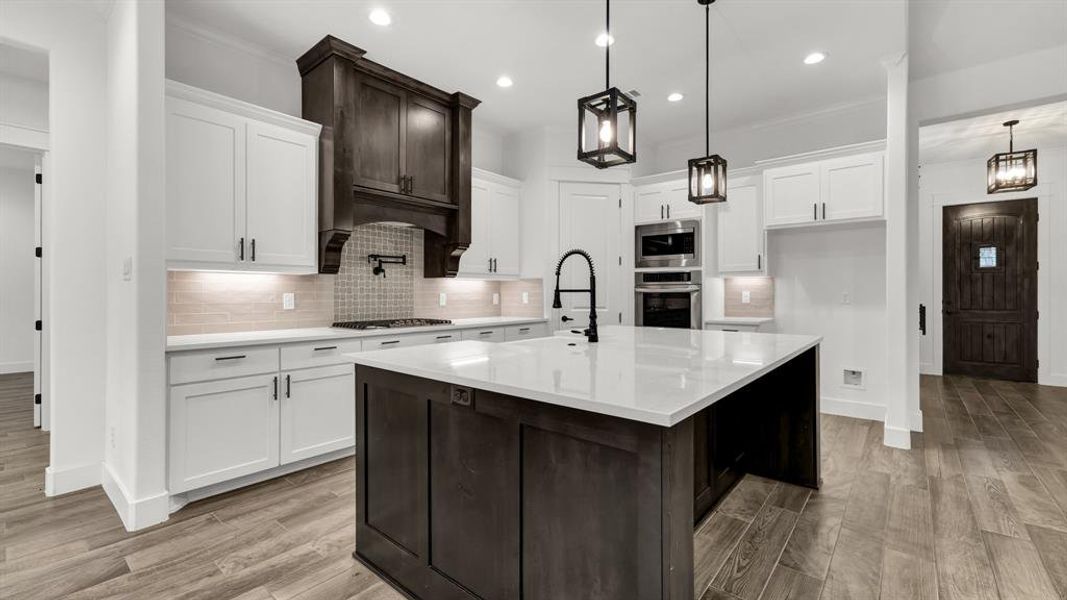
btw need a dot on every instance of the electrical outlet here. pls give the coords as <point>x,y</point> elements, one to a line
<point>526,297</point>
<point>496,298</point>
<point>853,378</point>
<point>127,268</point>
<point>442,299</point>
<point>288,301</point>
<point>746,296</point>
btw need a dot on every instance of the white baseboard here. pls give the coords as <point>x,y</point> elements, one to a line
<point>852,408</point>
<point>135,514</point>
<point>897,437</point>
<point>1056,379</point>
<point>16,367</point>
<point>917,421</point>
<point>929,369</point>
<point>70,479</point>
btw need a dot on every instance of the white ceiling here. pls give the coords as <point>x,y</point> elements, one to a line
<point>546,47</point>
<point>28,64</point>
<point>981,137</point>
<point>952,34</point>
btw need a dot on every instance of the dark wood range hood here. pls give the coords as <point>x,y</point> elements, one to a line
<point>393,149</point>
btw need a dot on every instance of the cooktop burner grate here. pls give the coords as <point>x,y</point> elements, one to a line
<point>391,323</point>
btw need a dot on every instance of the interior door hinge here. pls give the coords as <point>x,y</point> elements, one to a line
<point>620,317</point>
<point>37,178</point>
<point>37,325</point>
<point>620,261</point>
<point>36,398</point>
<point>620,202</point>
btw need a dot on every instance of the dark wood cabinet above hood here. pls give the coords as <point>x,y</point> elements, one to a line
<point>393,149</point>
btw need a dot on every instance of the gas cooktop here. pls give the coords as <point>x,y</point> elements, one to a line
<point>391,323</point>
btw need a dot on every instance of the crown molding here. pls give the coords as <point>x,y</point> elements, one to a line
<point>176,89</point>
<point>207,33</point>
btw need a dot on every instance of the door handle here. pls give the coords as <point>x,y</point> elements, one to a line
<point>565,318</point>
<point>814,211</point>
<point>275,387</point>
<point>287,387</point>
<point>661,211</point>
<point>668,211</point>
<point>824,211</point>
<point>236,357</point>
<point>242,245</point>
<point>253,249</point>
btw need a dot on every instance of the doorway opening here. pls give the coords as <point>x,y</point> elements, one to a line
<point>989,253</point>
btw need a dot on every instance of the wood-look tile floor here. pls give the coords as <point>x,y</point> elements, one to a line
<point>975,510</point>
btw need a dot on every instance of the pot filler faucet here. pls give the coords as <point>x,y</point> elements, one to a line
<point>590,333</point>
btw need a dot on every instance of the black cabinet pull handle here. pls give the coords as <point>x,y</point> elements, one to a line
<point>661,211</point>
<point>814,211</point>
<point>236,357</point>
<point>759,262</point>
<point>565,318</point>
<point>253,249</point>
<point>287,387</point>
<point>275,387</point>
<point>490,267</point>
<point>668,211</point>
<point>242,249</point>
<point>390,342</point>
<point>523,329</point>
<point>444,337</point>
<point>485,333</point>
<point>322,348</point>
<point>411,184</point>
<point>824,211</point>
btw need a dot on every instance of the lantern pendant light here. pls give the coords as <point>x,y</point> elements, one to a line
<point>1011,171</point>
<point>707,175</point>
<point>607,121</point>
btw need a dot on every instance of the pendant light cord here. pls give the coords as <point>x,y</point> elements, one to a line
<point>707,79</point>
<point>1011,139</point>
<point>607,44</point>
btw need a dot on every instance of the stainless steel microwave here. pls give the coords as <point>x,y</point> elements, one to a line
<point>670,244</point>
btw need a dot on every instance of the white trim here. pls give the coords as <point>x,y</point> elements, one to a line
<point>852,408</point>
<point>897,437</point>
<point>917,421</point>
<point>587,174</point>
<point>825,153</point>
<point>1056,379</point>
<point>684,174</point>
<point>204,32</point>
<point>176,89</point>
<point>70,479</point>
<point>135,514</point>
<point>14,134</point>
<point>492,177</point>
<point>16,367</point>
<point>177,501</point>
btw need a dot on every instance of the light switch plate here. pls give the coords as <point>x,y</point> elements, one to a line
<point>288,301</point>
<point>496,298</point>
<point>442,299</point>
<point>127,268</point>
<point>526,297</point>
<point>746,296</point>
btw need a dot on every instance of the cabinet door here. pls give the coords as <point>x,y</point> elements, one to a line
<point>740,230</point>
<point>649,204</point>
<point>380,134</point>
<point>475,260</point>
<point>504,230</point>
<point>205,184</point>
<point>791,194</point>
<point>852,187</point>
<point>318,412</point>
<point>428,149</point>
<point>282,197</point>
<point>678,204</point>
<point>221,430</point>
<point>487,334</point>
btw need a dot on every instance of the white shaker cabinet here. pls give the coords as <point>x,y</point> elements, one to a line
<point>221,430</point>
<point>846,188</point>
<point>664,201</point>
<point>318,411</point>
<point>741,234</point>
<point>242,185</point>
<point>494,249</point>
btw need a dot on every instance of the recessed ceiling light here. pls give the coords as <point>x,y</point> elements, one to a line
<point>604,39</point>
<point>675,97</point>
<point>378,16</point>
<point>814,58</point>
<point>504,81</point>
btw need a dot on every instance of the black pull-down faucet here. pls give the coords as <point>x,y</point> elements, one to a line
<point>590,333</point>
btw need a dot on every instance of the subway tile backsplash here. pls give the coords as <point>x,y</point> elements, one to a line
<point>207,302</point>
<point>761,297</point>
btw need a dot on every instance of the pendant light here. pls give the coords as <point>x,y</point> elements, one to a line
<point>707,175</point>
<point>607,121</point>
<point>1011,171</point>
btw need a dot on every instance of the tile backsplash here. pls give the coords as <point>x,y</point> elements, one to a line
<point>761,297</point>
<point>207,302</point>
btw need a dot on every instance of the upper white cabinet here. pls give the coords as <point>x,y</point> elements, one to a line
<point>241,185</point>
<point>847,188</point>
<point>740,239</point>
<point>664,201</point>
<point>494,249</point>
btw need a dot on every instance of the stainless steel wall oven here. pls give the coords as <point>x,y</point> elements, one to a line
<point>668,299</point>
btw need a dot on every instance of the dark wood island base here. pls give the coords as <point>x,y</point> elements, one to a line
<point>466,493</point>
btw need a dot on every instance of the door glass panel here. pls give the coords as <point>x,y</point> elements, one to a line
<point>666,309</point>
<point>987,257</point>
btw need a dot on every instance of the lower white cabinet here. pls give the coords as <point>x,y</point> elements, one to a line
<point>222,430</point>
<point>488,334</point>
<point>524,332</point>
<point>318,412</point>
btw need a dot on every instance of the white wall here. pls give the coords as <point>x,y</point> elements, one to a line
<point>23,102</point>
<point>964,182</point>
<point>135,450</point>
<point>74,34</point>
<point>814,268</point>
<point>16,270</point>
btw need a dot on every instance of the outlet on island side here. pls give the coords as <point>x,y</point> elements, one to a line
<point>496,298</point>
<point>526,297</point>
<point>288,301</point>
<point>746,296</point>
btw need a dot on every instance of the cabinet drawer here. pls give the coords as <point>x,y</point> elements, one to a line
<point>444,337</point>
<point>396,341</point>
<point>222,364</point>
<point>322,353</point>
<point>730,327</point>
<point>488,334</point>
<point>521,332</point>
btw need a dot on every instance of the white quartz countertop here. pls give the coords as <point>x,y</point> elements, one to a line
<point>739,320</point>
<point>179,343</point>
<point>653,375</point>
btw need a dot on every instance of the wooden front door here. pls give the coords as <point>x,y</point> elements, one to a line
<point>990,289</point>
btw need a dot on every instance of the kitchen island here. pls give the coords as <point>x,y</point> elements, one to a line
<point>555,468</point>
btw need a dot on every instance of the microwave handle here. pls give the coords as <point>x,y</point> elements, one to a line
<point>688,288</point>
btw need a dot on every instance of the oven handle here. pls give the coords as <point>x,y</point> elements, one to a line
<point>688,288</point>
